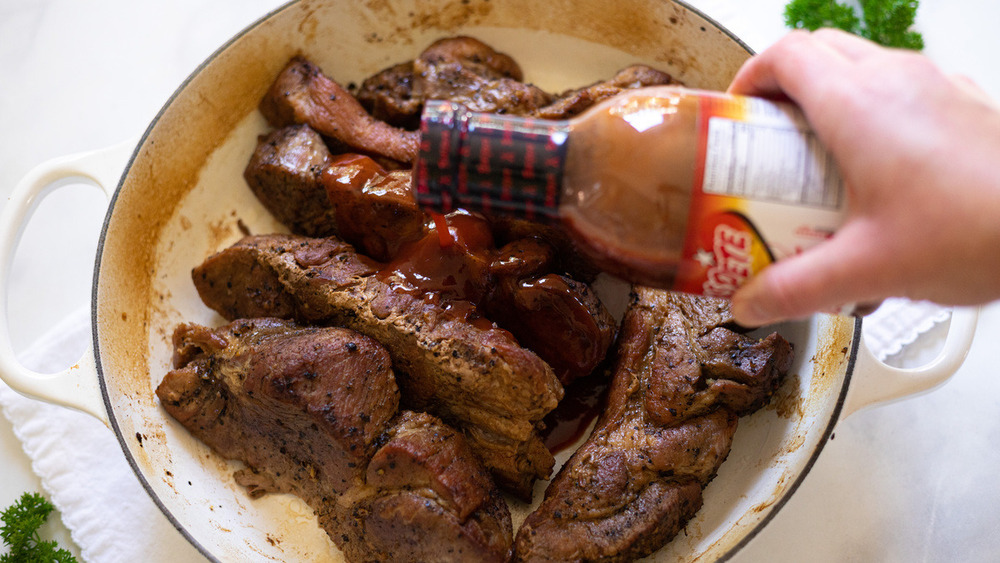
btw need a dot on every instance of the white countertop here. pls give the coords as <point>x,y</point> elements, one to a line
<point>912,481</point>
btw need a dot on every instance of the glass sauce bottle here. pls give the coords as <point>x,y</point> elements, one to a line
<point>666,186</point>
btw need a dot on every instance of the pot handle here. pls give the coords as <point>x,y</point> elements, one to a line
<point>77,386</point>
<point>875,382</point>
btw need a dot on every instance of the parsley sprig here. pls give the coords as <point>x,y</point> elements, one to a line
<point>21,522</point>
<point>887,22</point>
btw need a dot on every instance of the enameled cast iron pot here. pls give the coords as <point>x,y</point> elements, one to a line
<point>181,196</point>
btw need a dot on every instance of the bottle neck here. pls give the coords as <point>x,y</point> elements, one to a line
<point>495,164</point>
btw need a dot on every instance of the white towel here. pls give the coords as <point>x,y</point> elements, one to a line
<point>82,467</point>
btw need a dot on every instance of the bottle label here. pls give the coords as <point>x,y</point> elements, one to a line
<point>489,163</point>
<point>764,189</point>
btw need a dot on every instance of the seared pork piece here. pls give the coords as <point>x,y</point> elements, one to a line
<point>524,258</point>
<point>475,57</point>
<point>554,316</point>
<point>638,478</point>
<point>312,412</point>
<point>467,71</point>
<point>567,260</point>
<point>427,499</point>
<point>729,370</point>
<point>575,102</point>
<point>460,69</point>
<point>303,94</point>
<point>295,177</point>
<point>284,174</point>
<point>447,362</point>
<point>388,96</point>
<point>231,384</point>
<point>449,265</point>
<point>374,208</point>
<point>561,319</point>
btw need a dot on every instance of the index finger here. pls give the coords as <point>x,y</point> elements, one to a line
<point>801,66</point>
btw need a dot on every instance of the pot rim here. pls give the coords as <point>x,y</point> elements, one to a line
<point>112,418</point>
<point>113,421</point>
<point>827,433</point>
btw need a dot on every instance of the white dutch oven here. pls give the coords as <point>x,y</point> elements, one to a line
<point>181,197</point>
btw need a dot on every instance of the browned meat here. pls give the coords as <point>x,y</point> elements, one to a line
<point>609,503</point>
<point>575,102</point>
<point>728,369</point>
<point>637,480</point>
<point>284,174</point>
<point>303,94</point>
<point>461,69</point>
<point>556,317</point>
<point>315,194</point>
<point>232,383</point>
<point>449,264</point>
<point>475,57</point>
<point>388,95</point>
<point>524,258</point>
<point>564,321</point>
<point>467,71</point>
<point>375,209</point>
<point>465,370</point>
<point>429,500</point>
<point>559,318</point>
<point>311,412</point>
<point>567,258</point>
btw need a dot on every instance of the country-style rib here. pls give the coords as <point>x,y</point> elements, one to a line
<point>303,94</point>
<point>313,412</point>
<point>465,370</point>
<point>681,381</point>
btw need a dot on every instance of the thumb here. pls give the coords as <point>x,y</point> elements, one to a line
<point>836,272</point>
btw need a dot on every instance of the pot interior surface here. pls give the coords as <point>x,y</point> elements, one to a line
<point>184,197</point>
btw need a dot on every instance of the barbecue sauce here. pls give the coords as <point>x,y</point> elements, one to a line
<point>583,401</point>
<point>666,186</point>
<point>456,265</point>
<point>548,314</point>
<point>373,207</point>
<point>452,259</point>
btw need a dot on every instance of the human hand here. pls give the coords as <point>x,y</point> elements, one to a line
<point>919,152</point>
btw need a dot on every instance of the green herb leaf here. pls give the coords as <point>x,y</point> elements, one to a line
<point>21,522</point>
<point>887,22</point>
<point>814,14</point>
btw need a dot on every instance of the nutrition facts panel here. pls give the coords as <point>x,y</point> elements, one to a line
<point>771,161</point>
